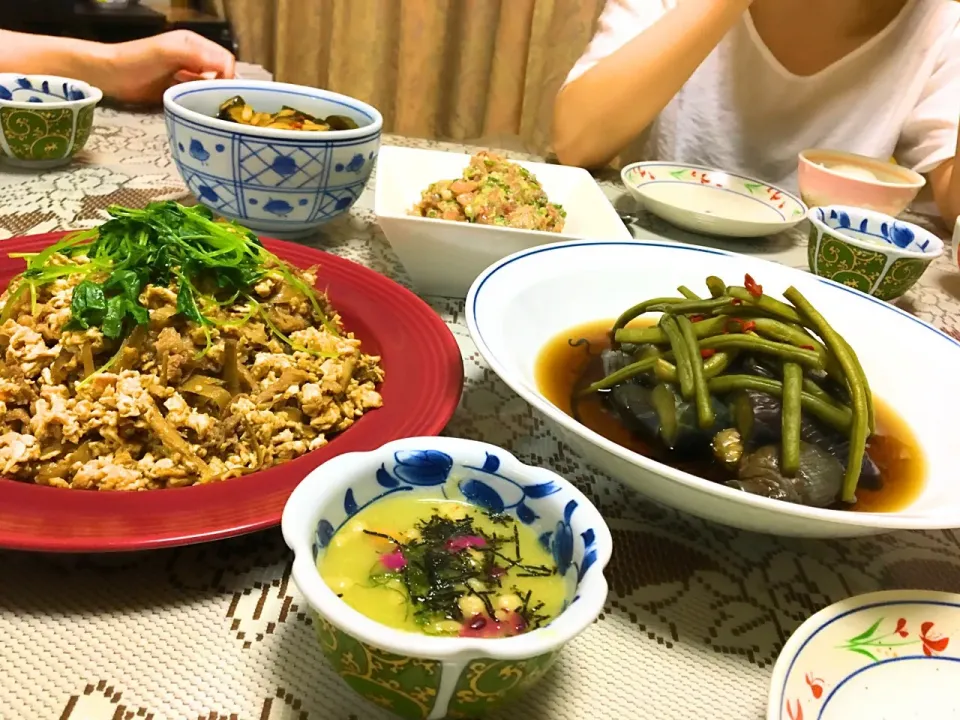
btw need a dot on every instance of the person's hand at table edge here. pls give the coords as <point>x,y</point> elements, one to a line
<point>131,72</point>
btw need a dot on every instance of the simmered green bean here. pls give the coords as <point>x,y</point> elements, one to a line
<point>860,427</point>
<point>621,375</point>
<point>798,337</point>
<point>790,416</point>
<point>704,328</point>
<point>665,371</point>
<point>695,307</point>
<point>871,419</point>
<point>838,418</point>
<point>641,308</point>
<point>716,286</point>
<point>713,366</point>
<point>766,303</point>
<point>688,293</point>
<point>741,341</point>
<point>705,414</point>
<point>681,355</point>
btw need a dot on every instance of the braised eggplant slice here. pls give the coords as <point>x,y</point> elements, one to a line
<point>816,484</point>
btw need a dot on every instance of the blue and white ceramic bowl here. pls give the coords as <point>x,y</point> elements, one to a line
<point>284,183</point>
<point>44,119</point>
<point>869,251</point>
<point>424,677</point>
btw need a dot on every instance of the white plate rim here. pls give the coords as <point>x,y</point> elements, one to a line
<point>784,222</point>
<point>835,612</point>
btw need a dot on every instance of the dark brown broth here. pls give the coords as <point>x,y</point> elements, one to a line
<point>562,367</point>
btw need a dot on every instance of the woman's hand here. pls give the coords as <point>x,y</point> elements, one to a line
<point>139,71</point>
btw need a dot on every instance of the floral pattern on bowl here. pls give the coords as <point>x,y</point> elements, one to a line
<point>883,654</point>
<point>44,120</point>
<point>410,673</point>
<point>711,201</point>
<point>869,251</point>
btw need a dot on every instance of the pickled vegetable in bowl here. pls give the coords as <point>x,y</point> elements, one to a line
<point>287,118</point>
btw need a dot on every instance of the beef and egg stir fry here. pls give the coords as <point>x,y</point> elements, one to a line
<point>492,191</point>
<point>166,349</point>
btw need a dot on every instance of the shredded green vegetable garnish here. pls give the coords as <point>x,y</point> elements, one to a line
<point>213,263</point>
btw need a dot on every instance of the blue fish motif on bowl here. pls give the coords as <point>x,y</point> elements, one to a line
<point>198,151</point>
<point>278,207</point>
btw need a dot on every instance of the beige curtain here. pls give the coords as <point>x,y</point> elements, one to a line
<point>448,69</point>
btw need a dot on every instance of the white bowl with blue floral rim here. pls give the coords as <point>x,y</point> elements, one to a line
<point>891,654</point>
<point>285,183</point>
<point>44,119</point>
<point>420,677</point>
<point>712,202</point>
<point>867,250</point>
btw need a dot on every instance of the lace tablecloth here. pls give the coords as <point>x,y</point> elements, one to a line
<point>696,614</point>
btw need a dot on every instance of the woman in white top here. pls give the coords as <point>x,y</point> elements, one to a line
<point>744,85</point>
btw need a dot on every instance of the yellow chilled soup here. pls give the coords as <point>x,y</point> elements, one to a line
<point>443,567</point>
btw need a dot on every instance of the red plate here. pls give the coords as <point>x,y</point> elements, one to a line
<point>424,379</point>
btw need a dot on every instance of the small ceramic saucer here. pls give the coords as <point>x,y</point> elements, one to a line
<point>891,655</point>
<point>712,202</point>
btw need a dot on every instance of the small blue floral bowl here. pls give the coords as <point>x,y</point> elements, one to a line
<point>420,677</point>
<point>44,119</point>
<point>285,183</point>
<point>872,252</point>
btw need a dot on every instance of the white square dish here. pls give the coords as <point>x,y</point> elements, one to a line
<point>444,257</point>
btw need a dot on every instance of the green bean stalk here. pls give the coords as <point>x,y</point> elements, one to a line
<point>694,345</point>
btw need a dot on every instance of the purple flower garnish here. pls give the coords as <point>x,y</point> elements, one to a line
<point>463,542</point>
<point>394,560</point>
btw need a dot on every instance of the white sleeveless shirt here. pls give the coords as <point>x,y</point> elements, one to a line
<point>897,95</point>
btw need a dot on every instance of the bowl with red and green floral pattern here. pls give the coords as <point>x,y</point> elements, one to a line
<point>887,654</point>
<point>44,119</point>
<point>869,251</point>
<point>433,659</point>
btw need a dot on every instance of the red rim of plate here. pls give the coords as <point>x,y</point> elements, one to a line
<point>421,391</point>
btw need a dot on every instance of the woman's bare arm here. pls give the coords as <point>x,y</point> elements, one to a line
<point>599,113</point>
<point>44,55</point>
<point>137,71</point>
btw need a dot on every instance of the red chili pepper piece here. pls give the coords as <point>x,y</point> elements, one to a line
<point>748,326</point>
<point>697,318</point>
<point>751,285</point>
<point>707,353</point>
<point>736,301</point>
<point>807,347</point>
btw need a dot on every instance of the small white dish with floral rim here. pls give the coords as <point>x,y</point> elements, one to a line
<point>712,202</point>
<point>886,655</point>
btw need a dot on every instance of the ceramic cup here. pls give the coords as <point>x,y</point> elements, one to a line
<point>872,252</point>
<point>420,677</point>
<point>826,177</point>
<point>44,119</point>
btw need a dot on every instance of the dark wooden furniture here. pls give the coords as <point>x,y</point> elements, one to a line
<point>90,21</point>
